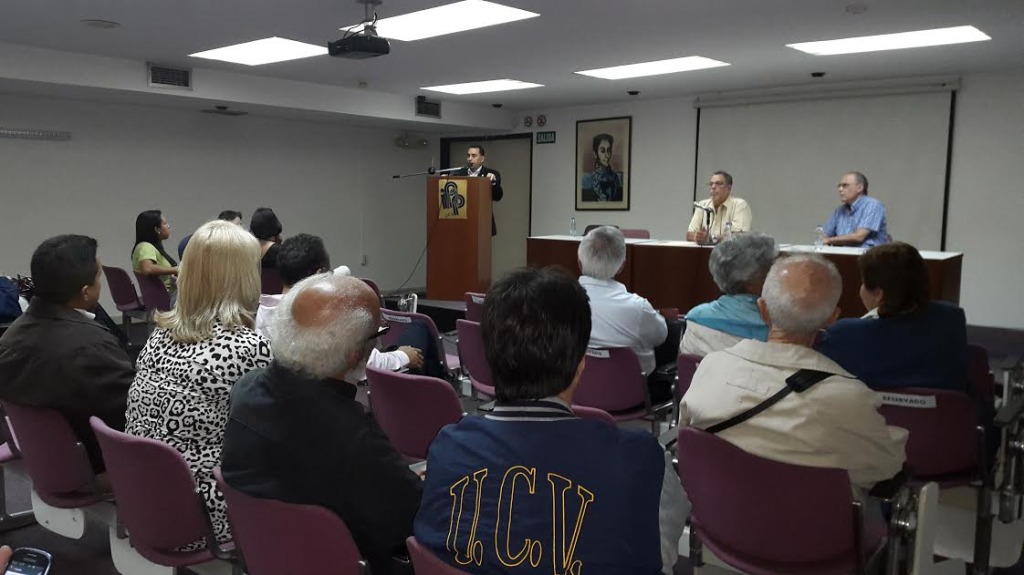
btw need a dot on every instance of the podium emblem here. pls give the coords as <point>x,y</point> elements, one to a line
<point>452,199</point>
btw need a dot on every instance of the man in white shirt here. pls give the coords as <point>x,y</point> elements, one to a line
<point>833,423</point>
<point>726,212</point>
<point>301,256</point>
<point>619,318</point>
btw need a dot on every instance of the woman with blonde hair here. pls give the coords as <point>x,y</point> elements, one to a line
<point>198,350</point>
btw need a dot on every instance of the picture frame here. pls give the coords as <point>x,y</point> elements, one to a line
<point>603,153</point>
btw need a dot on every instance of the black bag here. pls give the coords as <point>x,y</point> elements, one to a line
<point>10,307</point>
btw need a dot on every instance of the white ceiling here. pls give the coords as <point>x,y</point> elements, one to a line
<point>570,35</point>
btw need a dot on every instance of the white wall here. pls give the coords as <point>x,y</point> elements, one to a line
<point>326,179</point>
<point>986,209</point>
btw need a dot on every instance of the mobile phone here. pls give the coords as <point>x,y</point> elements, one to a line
<point>27,561</point>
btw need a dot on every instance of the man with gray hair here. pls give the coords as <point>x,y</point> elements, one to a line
<point>828,419</point>
<point>618,318</point>
<point>297,434</point>
<point>739,266</point>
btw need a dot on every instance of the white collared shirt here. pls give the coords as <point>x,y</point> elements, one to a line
<point>623,319</point>
<point>87,314</point>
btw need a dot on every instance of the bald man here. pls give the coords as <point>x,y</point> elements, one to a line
<point>832,423</point>
<point>297,434</point>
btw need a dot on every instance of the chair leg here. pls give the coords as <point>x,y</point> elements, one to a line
<point>983,531</point>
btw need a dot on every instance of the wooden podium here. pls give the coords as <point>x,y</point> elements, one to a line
<point>458,236</point>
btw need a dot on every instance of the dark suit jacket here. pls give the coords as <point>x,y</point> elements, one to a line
<point>55,357</point>
<point>307,441</point>
<point>496,192</point>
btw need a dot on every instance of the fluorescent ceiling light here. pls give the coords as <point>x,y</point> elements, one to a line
<point>448,19</point>
<point>918,39</point>
<point>654,68</point>
<point>265,51</point>
<point>485,86</point>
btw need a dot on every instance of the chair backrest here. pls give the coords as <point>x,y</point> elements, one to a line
<point>637,234</point>
<point>612,380</point>
<point>686,366</point>
<point>411,409</point>
<point>376,290</point>
<point>472,356</point>
<point>474,306</point>
<point>594,413</point>
<point>425,562</point>
<point>270,281</point>
<point>55,457</point>
<point>944,442</point>
<point>979,374</point>
<point>122,290</point>
<point>156,495</point>
<point>766,516</point>
<point>154,292</point>
<point>277,537</point>
<point>400,320</point>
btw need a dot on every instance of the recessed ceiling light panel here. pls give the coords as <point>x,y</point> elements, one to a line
<point>656,68</point>
<point>265,51</point>
<point>448,19</point>
<point>483,87</point>
<point>900,41</point>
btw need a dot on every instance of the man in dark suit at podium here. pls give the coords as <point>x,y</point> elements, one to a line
<point>475,159</point>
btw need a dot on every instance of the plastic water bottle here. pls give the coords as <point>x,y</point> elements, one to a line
<point>572,226</point>
<point>819,238</point>
<point>727,232</point>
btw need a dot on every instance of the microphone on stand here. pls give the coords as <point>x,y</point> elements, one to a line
<point>700,207</point>
<point>447,170</point>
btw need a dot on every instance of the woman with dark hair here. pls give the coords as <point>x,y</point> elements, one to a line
<point>905,339</point>
<point>148,256</point>
<point>267,229</point>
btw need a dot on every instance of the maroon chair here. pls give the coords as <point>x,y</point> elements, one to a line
<point>686,366</point>
<point>473,358</point>
<point>9,453</point>
<point>474,306</point>
<point>55,458</point>
<point>122,290</point>
<point>399,320</point>
<point>154,292</point>
<point>275,538</point>
<point>636,234</point>
<point>157,499</point>
<point>765,517</point>
<point>270,281</point>
<point>411,409</point>
<point>612,381</point>
<point>584,412</point>
<point>425,562</point>
<point>376,290</point>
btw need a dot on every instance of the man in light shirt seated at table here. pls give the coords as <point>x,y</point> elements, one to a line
<point>860,220</point>
<point>304,255</point>
<point>725,207</point>
<point>834,422</point>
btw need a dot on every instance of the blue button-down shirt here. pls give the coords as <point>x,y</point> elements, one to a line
<point>866,212</point>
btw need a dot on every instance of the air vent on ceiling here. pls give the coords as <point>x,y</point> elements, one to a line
<point>167,77</point>
<point>427,108</point>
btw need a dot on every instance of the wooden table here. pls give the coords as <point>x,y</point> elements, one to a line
<point>675,273</point>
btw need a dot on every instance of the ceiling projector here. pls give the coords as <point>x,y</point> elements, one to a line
<point>359,47</point>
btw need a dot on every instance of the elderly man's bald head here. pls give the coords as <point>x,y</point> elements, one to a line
<point>801,293</point>
<point>324,325</point>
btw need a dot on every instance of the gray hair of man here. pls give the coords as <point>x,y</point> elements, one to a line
<point>801,306</point>
<point>322,348</point>
<point>742,260</point>
<point>602,252</point>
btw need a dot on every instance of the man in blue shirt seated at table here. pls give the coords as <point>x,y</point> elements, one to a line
<point>860,221</point>
<point>530,488</point>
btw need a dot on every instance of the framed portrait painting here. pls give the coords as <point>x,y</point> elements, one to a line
<point>603,150</point>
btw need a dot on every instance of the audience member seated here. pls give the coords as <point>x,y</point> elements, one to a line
<point>301,256</point>
<point>738,266</point>
<point>55,356</point>
<point>905,340</point>
<point>198,350</point>
<point>297,433</point>
<point>267,229</point>
<point>619,318</point>
<point>585,493</point>
<point>227,215</point>
<point>833,423</point>
<point>148,255</point>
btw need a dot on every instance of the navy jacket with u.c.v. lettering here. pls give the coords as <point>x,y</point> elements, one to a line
<point>530,488</point>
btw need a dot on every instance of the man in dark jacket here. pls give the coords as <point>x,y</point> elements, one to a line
<point>297,434</point>
<point>55,356</point>
<point>475,168</point>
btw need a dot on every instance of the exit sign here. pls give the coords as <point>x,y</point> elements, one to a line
<point>545,137</point>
